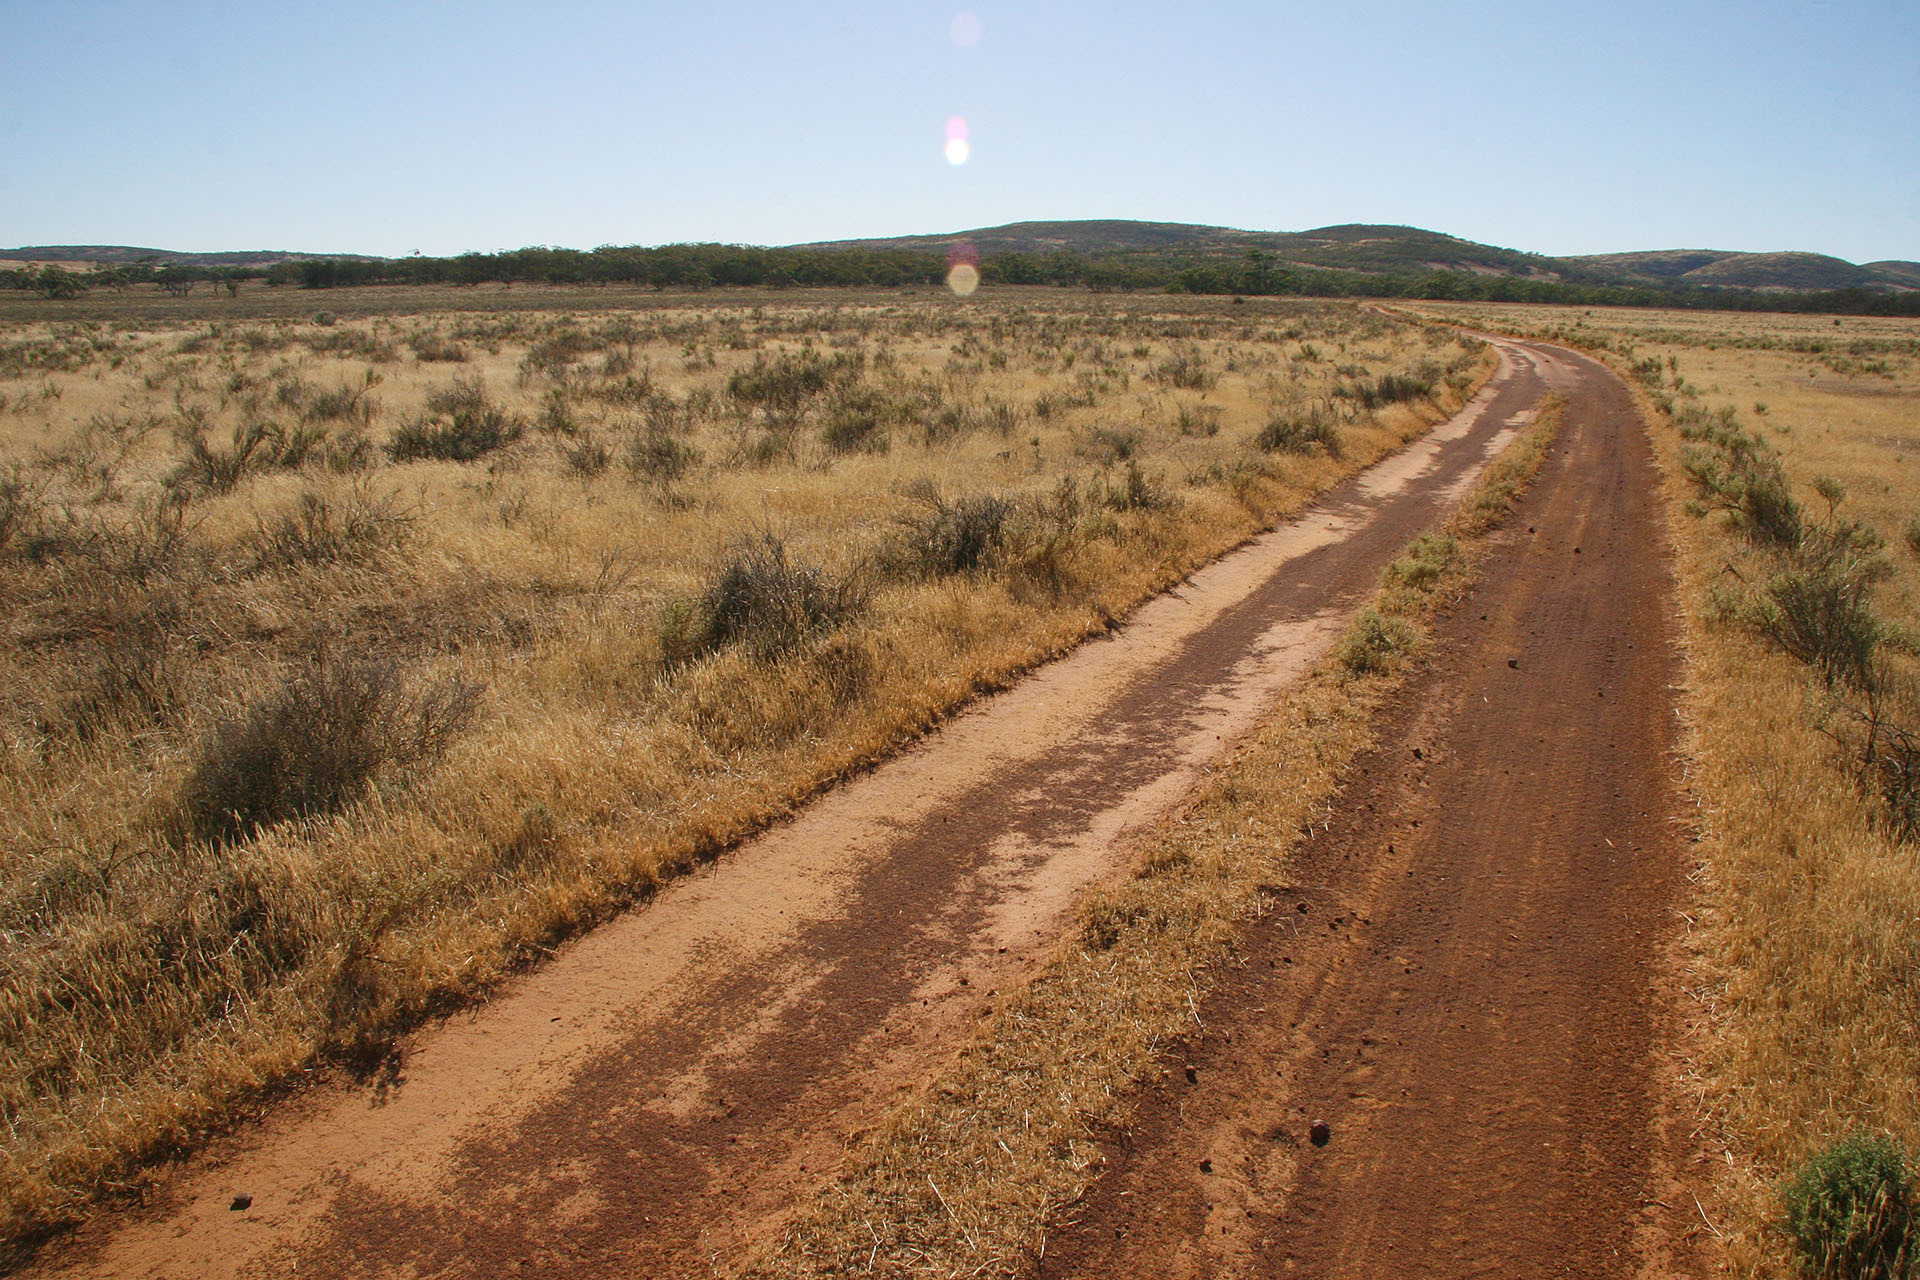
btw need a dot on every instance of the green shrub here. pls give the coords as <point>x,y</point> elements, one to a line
<point>1850,1209</point>
<point>1376,644</point>
<point>314,744</point>
<point>1820,609</point>
<point>1425,561</point>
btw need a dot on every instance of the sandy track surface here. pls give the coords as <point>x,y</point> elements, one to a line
<point>670,1087</point>
<point>1467,984</point>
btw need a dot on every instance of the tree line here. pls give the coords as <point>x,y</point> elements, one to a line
<point>708,266</point>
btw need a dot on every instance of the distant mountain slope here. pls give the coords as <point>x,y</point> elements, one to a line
<point>1895,269</point>
<point>1351,247</point>
<point>1397,250</point>
<point>1743,270</point>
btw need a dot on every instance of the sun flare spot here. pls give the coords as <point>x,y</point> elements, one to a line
<point>964,278</point>
<point>958,148</point>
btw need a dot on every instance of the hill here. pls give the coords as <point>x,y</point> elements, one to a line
<point>1398,250</point>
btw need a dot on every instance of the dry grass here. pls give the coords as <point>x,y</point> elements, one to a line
<point>580,596</point>
<point>1807,948</point>
<point>964,1178</point>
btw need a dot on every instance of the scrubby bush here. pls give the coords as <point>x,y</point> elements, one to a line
<point>760,599</point>
<point>946,538</point>
<point>1850,1209</point>
<point>1300,434</point>
<point>1376,644</point>
<point>786,383</point>
<point>1391,388</point>
<point>321,530</point>
<point>313,744</point>
<point>463,424</point>
<point>655,454</point>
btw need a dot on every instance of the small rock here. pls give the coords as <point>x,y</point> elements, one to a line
<point>1321,1133</point>
<point>1514,663</point>
<point>241,1202</point>
<point>1193,1075</point>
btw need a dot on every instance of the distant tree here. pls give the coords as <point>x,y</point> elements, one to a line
<point>57,282</point>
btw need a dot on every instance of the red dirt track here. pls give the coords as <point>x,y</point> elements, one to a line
<point>1465,985</point>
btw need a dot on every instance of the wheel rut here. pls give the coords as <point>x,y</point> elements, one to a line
<point>670,1087</point>
<point>1468,985</point>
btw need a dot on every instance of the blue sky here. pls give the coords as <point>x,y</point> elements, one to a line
<point>443,127</point>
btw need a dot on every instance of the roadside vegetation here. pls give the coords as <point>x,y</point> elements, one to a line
<point>350,663</point>
<point>968,1173</point>
<point>1792,453</point>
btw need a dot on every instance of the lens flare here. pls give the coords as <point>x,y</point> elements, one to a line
<point>964,30</point>
<point>964,279</point>
<point>958,148</point>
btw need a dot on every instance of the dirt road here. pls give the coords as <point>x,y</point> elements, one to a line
<point>1466,985</point>
<point>671,1086</point>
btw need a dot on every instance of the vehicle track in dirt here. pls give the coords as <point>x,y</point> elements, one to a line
<point>670,1087</point>
<point>1471,983</point>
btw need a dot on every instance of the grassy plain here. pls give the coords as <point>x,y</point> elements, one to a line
<point>352,659</point>
<point>1806,953</point>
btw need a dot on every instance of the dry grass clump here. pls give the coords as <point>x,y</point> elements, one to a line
<point>1790,446</point>
<point>964,1177</point>
<point>320,709</point>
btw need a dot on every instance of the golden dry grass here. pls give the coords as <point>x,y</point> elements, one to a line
<point>173,947</point>
<point>966,1175</point>
<point>1807,941</point>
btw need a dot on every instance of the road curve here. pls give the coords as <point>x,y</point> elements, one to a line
<point>672,1085</point>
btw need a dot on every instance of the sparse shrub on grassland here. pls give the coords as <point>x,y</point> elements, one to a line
<point>344,403</point>
<point>1186,369</point>
<point>1820,610</point>
<point>1850,1210</point>
<point>1425,561</point>
<point>787,382</point>
<point>431,347</point>
<point>858,421</point>
<point>20,507</point>
<point>1300,433</point>
<point>320,530</point>
<point>1198,420</point>
<point>1134,491</point>
<point>1391,388</point>
<point>946,538</point>
<point>1376,644</point>
<point>655,454</point>
<point>464,424</point>
<point>130,676</point>
<point>586,455</point>
<point>217,468</point>
<point>760,599</point>
<point>314,744</point>
<point>1740,474</point>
